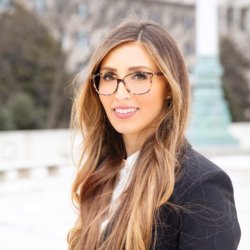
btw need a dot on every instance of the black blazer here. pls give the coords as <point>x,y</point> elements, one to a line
<point>205,216</point>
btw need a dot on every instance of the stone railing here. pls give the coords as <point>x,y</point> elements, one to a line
<point>37,152</point>
<point>49,152</point>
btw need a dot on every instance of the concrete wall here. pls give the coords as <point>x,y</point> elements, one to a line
<point>24,153</point>
<point>47,152</point>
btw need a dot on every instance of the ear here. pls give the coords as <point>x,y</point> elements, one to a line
<point>168,95</point>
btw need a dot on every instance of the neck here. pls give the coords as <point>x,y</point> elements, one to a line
<point>132,144</point>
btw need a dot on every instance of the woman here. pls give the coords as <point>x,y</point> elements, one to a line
<point>139,184</point>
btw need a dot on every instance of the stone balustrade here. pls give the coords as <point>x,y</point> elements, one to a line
<point>25,154</point>
<point>37,152</point>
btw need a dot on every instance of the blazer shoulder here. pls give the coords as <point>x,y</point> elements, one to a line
<point>196,169</point>
<point>201,213</point>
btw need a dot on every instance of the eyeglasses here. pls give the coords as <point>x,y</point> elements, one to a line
<point>137,83</point>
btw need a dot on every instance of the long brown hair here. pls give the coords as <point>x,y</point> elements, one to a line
<point>153,179</point>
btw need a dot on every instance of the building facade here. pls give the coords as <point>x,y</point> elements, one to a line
<point>79,24</point>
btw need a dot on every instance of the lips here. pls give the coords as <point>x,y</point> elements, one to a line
<point>124,112</point>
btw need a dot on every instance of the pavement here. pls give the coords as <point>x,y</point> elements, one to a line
<point>37,213</point>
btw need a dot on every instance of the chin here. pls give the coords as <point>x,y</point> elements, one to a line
<point>123,130</point>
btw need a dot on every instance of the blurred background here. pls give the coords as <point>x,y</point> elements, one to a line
<point>45,43</point>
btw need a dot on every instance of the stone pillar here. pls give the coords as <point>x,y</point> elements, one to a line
<point>210,115</point>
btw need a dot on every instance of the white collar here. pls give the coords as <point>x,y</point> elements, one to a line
<point>121,185</point>
<point>130,161</point>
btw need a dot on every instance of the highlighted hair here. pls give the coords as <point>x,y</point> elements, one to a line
<point>155,172</point>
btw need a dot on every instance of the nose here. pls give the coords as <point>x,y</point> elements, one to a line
<point>122,92</point>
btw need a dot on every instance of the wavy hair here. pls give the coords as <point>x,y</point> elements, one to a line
<point>155,172</point>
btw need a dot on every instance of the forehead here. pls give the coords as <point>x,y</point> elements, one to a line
<point>128,55</point>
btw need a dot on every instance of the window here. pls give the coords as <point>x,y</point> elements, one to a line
<point>82,9</point>
<point>230,17</point>
<point>243,19</point>
<point>83,39</point>
<point>188,48</point>
<point>188,22</point>
<point>39,6</point>
<point>4,5</point>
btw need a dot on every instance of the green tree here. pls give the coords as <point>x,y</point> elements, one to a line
<point>32,73</point>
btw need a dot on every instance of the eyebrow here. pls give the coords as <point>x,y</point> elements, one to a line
<point>108,68</point>
<point>132,68</point>
<point>139,67</point>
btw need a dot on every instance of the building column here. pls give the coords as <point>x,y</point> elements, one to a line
<point>210,116</point>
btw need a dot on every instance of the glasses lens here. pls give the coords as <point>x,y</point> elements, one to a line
<point>105,83</point>
<point>138,82</point>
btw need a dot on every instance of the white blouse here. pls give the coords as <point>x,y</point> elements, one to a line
<point>121,185</point>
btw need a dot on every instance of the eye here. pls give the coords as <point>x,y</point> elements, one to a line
<point>109,76</point>
<point>140,76</point>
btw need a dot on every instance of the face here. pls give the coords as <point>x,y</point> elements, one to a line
<point>133,115</point>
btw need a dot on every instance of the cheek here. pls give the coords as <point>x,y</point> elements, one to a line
<point>156,99</point>
<point>106,104</point>
<point>152,107</point>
